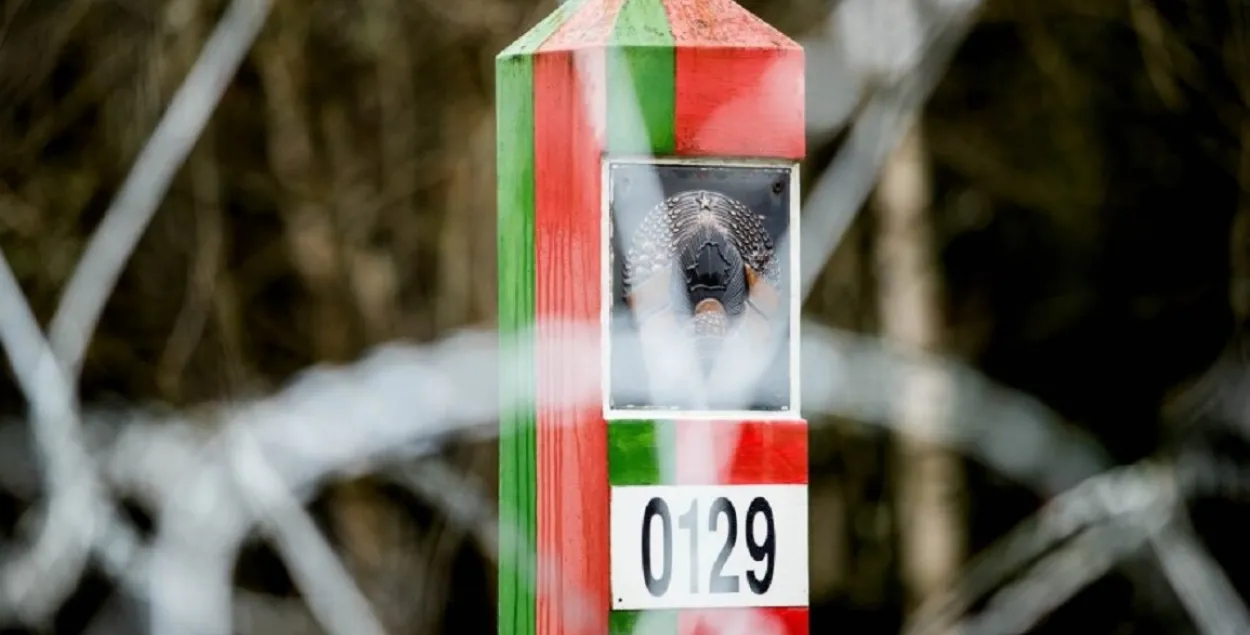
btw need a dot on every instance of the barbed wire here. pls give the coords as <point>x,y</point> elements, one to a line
<point>215,476</point>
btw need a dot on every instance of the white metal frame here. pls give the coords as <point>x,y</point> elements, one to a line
<point>605,281</point>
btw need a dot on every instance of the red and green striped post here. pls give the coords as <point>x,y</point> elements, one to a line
<point>699,83</point>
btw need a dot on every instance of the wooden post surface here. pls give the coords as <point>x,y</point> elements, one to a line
<point>709,99</point>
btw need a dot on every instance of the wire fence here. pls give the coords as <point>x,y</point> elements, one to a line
<point>254,468</point>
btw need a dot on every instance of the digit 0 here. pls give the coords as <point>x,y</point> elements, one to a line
<point>657,585</point>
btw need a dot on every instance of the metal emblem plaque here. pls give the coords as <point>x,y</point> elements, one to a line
<point>698,253</point>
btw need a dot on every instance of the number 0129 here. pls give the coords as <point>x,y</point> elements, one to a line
<point>683,546</point>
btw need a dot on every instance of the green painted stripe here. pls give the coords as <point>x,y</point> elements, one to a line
<point>632,456</point>
<point>641,106</point>
<point>533,39</point>
<point>641,76</point>
<point>518,451</point>
<point>641,453</point>
<point>652,622</point>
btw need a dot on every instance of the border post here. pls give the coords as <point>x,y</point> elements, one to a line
<point>703,103</point>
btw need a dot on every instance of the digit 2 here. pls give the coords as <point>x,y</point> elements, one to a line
<point>719,582</point>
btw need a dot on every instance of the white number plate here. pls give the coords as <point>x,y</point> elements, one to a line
<point>695,546</point>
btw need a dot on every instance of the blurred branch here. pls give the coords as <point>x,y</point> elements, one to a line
<point>960,150</point>
<point>126,219</point>
<point>46,371</point>
<point>842,190</point>
<point>1119,501</point>
<point>326,585</point>
<point>402,402</point>
<point>1199,582</point>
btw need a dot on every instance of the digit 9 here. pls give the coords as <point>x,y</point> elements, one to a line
<point>761,550</point>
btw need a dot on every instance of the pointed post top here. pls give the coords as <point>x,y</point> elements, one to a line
<point>577,24</point>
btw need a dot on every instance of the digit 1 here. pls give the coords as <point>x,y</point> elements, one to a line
<point>766,549</point>
<point>657,586</point>
<point>688,521</point>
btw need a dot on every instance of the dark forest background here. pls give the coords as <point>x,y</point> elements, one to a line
<point>1088,163</point>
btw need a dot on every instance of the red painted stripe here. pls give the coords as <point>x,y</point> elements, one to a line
<point>770,621</point>
<point>591,26</point>
<point>569,106</point>
<point>739,83</point>
<point>743,453</point>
